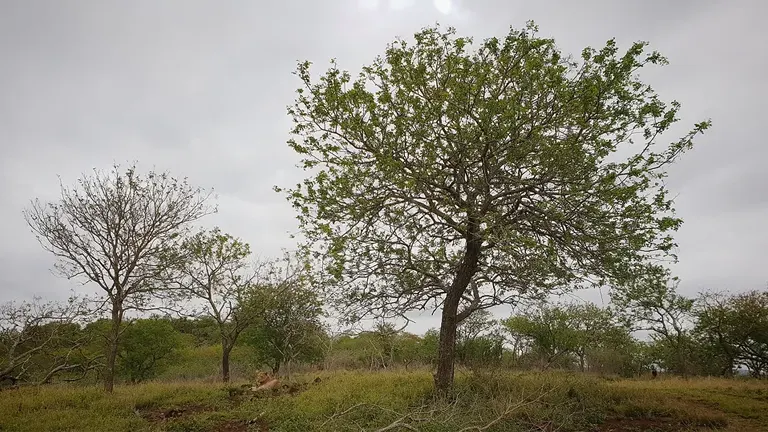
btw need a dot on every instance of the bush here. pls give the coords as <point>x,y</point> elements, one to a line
<point>147,348</point>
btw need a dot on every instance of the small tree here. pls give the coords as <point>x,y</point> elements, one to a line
<point>288,328</point>
<point>203,330</point>
<point>735,329</point>
<point>654,305</point>
<point>430,343</point>
<point>550,332</point>
<point>212,268</point>
<point>715,328</point>
<point>384,342</point>
<point>148,345</point>
<point>115,229</point>
<point>478,340</point>
<point>464,179</point>
<point>408,349</point>
<point>582,331</point>
<point>597,329</point>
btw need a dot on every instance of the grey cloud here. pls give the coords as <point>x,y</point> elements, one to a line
<point>200,88</point>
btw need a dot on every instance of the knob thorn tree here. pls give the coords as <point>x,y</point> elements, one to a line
<point>459,178</point>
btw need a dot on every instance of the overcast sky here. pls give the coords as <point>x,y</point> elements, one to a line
<point>199,88</point>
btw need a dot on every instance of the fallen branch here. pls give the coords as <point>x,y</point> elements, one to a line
<point>442,415</point>
<point>396,425</point>
<point>336,415</point>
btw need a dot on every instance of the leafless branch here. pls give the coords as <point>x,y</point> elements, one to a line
<point>115,229</point>
<point>28,329</point>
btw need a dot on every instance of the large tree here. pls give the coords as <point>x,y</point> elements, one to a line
<point>115,229</point>
<point>511,165</point>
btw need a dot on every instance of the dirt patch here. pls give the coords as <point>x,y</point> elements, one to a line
<point>660,424</point>
<point>155,415</point>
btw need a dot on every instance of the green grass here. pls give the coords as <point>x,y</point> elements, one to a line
<point>204,363</point>
<point>363,401</point>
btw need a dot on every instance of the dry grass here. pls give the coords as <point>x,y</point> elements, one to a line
<point>742,402</point>
<point>361,401</point>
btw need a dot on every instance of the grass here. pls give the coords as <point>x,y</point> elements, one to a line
<point>742,403</point>
<point>364,401</point>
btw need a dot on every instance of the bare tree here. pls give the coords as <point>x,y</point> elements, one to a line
<point>34,329</point>
<point>115,229</point>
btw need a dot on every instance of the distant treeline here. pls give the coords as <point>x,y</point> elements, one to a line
<point>712,335</point>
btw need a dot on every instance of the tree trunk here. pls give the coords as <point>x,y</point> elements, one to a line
<point>327,358</point>
<point>226,348</point>
<point>114,336</point>
<point>681,357</point>
<point>447,348</point>
<point>727,371</point>
<point>450,318</point>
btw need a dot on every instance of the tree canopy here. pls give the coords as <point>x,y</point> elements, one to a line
<point>460,178</point>
<point>734,329</point>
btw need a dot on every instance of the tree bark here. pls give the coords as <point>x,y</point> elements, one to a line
<point>450,317</point>
<point>109,372</point>
<point>447,348</point>
<point>226,349</point>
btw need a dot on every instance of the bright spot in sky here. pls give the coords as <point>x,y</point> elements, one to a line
<point>369,4</point>
<point>400,4</point>
<point>444,6</point>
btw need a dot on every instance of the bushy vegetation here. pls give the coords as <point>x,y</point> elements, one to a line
<point>291,337</point>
